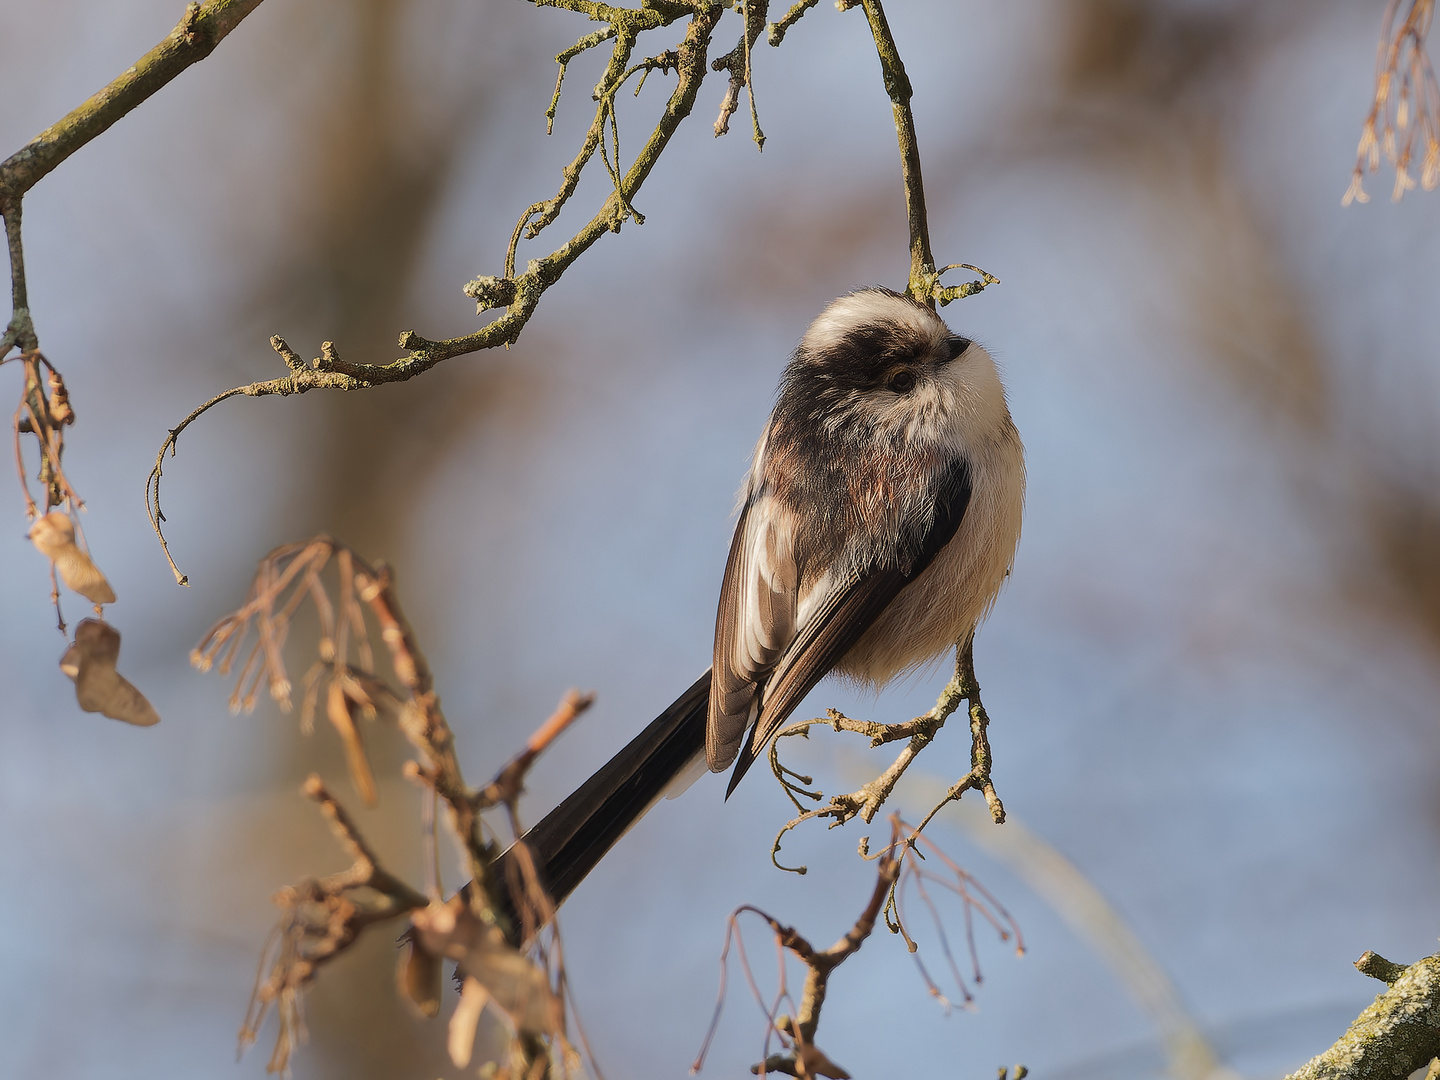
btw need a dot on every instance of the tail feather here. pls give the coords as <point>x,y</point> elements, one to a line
<point>569,842</point>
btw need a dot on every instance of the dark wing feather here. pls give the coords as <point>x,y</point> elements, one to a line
<point>851,608</point>
<point>575,836</point>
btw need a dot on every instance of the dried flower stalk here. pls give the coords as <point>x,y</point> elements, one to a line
<point>1404,117</point>
<point>323,917</point>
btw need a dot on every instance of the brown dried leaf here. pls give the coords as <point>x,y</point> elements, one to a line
<point>420,979</point>
<point>61,411</point>
<point>338,707</point>
<point>54,535</point>
<point>90,661</point>
<point>515,983</point>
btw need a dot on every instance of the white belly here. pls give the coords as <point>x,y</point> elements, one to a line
<point>957,590</point>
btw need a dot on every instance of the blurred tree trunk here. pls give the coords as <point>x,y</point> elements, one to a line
<point>379,161</point>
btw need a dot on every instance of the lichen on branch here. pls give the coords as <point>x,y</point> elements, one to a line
<point>43,414</point>
<point>866,801</point>
<point>1398,1034</point>
<point>518,293</point>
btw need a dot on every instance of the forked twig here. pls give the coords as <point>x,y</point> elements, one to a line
<point>737,63</point>
<point>975,899</point>
<point>866,802</point>
<point>518,292</point>
<point>802,1057</point>
<point>323,917</point>
<point>193,38</point>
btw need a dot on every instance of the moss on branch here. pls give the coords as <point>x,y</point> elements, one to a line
<point>194,37</point>
<point>1399,1032</point>
<point>199,30</point>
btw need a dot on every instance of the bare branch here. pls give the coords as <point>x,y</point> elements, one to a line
<point>322,918</point>
<point>197,34</point>
<point>897,86</point>
<point>21,329</point>
<point>509,783</point>
<point>803,1058</point>
<point>777,31</point>
<point>1377,967</point>
<point>924,284</point>
<point>589,41</point>
<point>479,927</point>
<point>866,802</point>
<point>519,294</point>
<point>286,578</point>
<point>1398,1034</point>
<point>200,29</point>
<point>737,62</point>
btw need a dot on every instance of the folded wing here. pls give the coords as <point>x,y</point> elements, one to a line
<point>764,664</point>
<point>755,622</point>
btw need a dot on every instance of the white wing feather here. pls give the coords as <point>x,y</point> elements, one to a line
<point>756,622</point>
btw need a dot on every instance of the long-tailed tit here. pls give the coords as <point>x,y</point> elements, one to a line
<point>877,524</point>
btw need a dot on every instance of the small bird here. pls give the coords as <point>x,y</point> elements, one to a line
<point>877,523</point>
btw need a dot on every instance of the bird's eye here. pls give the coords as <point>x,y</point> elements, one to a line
<point>903,381</point>
<point>957,345</point>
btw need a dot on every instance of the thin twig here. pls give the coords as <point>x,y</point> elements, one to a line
<point>737,62</point>
<point>199,31</point>
<point>519,294</point>
<point>866,801</point>
<point>21,329</point>
<point>201,28</point>
<point>322,918</point>
<point>777,31</point>
<point>897,86</point>
<point>589,41</point>
<point>509,783</point>
<point>803,1058</point>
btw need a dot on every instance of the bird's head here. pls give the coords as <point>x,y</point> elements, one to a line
<point>877,365</point>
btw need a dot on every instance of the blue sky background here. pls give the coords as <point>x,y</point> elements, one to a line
<point>1212,677</point>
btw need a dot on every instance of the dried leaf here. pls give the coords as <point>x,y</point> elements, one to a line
<point>516,984</point>
<point>473,999</point>
<point>54,535</point>
<point>61,411</point>
<point>420,979</point>
<point>338,708</point>
<point>90,661</point>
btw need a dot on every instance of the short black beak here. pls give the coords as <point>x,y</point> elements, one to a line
<point>957,345</point>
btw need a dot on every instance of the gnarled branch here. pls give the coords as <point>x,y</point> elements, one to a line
<point>518,294</point>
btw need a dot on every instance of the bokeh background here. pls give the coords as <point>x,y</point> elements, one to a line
<point>1213,677</point>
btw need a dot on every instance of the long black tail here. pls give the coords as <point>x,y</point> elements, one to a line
<point>575,836</point>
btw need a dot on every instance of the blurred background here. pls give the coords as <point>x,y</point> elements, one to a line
<point>1213,676</point>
